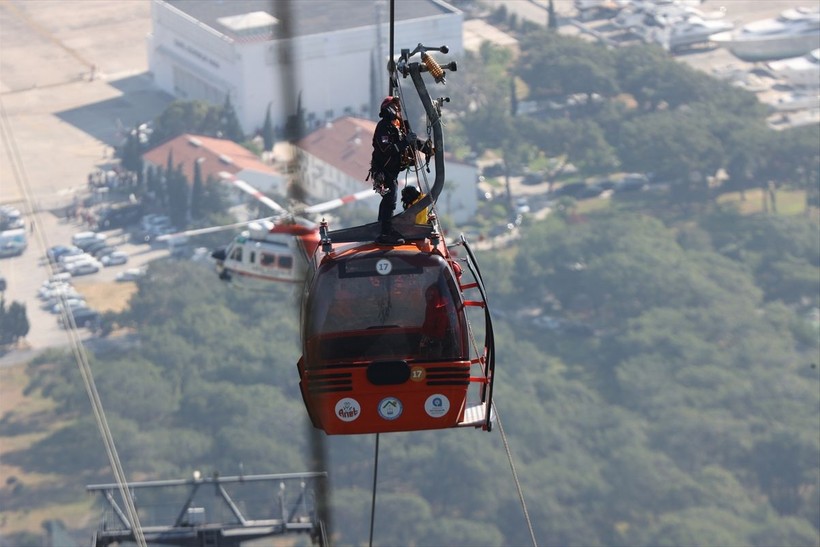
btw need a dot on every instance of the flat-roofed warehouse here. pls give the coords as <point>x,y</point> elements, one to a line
<point>215,48</point>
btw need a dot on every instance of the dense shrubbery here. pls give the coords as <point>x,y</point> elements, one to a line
<point>691,415</point>
<point>13,322</point>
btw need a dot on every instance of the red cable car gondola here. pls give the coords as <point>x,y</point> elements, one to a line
<point>386,338</point>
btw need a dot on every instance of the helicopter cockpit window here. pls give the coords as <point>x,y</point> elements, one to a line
<point>267,260</point>
<point>237,254</point>
<point>406,307</point>
<point>285,262</point>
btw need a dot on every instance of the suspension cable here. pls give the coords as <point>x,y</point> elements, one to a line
<point>515,476</point>
<point>80,354</point>
<point>373,502</point>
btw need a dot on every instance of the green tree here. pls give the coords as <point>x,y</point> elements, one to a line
<point>552,18</point>
<point>131,156</point>
<point>13,322</point>
<point>697,526</point>
<point>183,117</point>
<point>178,202</point>
<point>675,146</point>
<point>782,463</point>
<point>229,127</point>
<point>214,199</point>
<point>555,66</point>
<point>296,123</point>
<point>197,193</point>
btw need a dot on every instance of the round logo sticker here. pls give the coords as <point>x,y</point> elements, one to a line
<point>436,405</point>
<point>390,408</point>
<point>417,373</point>
<point>384,266</point>
<point>348,409</point>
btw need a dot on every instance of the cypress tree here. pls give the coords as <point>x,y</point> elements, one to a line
<point>197,192</point>
<point>552,19</point>
<point>229,123</point>
<point>267,132</point>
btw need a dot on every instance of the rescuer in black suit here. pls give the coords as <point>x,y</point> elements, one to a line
<point>393,151</point>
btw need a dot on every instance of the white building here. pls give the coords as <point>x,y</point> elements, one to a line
<point>338,52</point>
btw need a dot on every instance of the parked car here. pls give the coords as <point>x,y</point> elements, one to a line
<point>130,275</point>
<point>532,178</point>
<point>83,239</point>
<point>152,235</point>
<point>57,278</point>
<point>13,242</point>
<point>67,261</point>
<point>114,259</point>
<point>95,246</point>
<point>51,295</point>
<point>72,304</point>
<point>572,189</point>
<point>104,251</point>
<point>54,253</point>
<point>119,215</point>
<point>11,218</point>
<point>57,298</point>
<point>83,317</point>
<point>493,170</point>
<point>83,267</point>
<point>150,220</point>
<point>48,287</point>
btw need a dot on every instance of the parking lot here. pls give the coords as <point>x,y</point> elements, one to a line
<point>25,274</point>
<point>73,81</point>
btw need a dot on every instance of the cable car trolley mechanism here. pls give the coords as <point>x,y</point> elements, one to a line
<point>386,335</point>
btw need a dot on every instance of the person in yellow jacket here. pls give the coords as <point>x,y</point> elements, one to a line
<point>410,195</point>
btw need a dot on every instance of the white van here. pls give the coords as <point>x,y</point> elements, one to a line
<point>13,242</point>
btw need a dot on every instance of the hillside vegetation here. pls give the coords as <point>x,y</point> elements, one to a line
<point>672,399</point>
<point>688,415</point>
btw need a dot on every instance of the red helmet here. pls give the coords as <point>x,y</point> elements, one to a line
<point>390,100</point>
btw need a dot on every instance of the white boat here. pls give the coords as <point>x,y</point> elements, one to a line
<point>682,34</point>
<point>589,9</point>
<point>794,32</point>
<point>641,15</point>
<point>803,71</point>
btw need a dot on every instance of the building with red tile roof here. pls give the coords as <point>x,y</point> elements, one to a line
<point>216,156</point>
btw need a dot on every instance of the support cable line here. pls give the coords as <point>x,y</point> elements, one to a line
<point>373,502</point>
<point>80,354</point>
<point>515,477</point>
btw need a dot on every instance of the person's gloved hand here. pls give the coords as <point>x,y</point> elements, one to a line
<point>412,138</point>
<point>427,148</point>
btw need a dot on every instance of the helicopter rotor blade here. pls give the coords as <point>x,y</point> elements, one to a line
<point>248,189</point>
<point>338,202</point>
<point>209,230</point>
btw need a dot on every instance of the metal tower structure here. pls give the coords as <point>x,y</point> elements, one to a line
<point>214,511</point>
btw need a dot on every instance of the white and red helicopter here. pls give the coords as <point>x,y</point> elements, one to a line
<point>273,249</point>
